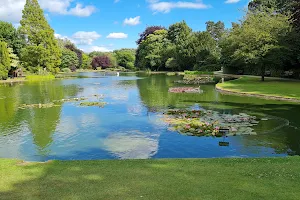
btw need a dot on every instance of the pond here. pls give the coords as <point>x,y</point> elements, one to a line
<point>129,124</point>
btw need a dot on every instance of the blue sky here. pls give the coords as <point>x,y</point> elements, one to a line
<point>96,24</point>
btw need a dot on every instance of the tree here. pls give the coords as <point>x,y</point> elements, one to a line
<point>205,52</point>
<point>125,58</point>
<point>216,30</point>
<point>42,50</point>
<point>151,52</point>
<point>69,59</point>
<point>101,61</point>
<point>257,41</point>
<point>14,59</point>
<point>86,61</point>
<point>78,52</point>
<point>148,31</point>
<point>11,36</point>
<point>4,61</point>
<point>180,34</point>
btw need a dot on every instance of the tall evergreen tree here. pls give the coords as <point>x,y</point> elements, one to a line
<point>4,60</point>
<point>42,50</point>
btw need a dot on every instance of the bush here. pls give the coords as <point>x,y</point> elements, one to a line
<point>66,70</point>
<point>208,68</point>
<point>198,72</point>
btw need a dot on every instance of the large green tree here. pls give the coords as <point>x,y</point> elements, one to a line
<point>4,60</point>
<point>257,40</point>
<point>69,59</point>
<point>151,52</point>
<point>11,36</point>
<point>125,58</point>
<point>205,52</point>
<point>42,50</point>
<point>216,30</point>
<point>180,34</point>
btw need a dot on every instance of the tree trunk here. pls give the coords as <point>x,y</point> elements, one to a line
<point>263,71</point>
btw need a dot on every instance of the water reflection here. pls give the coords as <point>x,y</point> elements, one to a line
<point>282,133</point>
<point>129,126</point>
<point>131,144</point>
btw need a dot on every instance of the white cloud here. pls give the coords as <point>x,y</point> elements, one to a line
<point>82,11</point>
<point>82,37</point>
<point>117,36</point>
<point>64,38</point>
<point>232,1</point>
<point>132,21</point>
<point>165,7</point>
<point>89,49</point>
<point>11,10</point>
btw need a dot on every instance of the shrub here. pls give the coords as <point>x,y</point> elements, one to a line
<point>198,72</point>
<point>66,70</point>
<point>101,61</point>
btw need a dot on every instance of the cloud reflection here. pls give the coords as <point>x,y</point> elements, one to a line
<point>132,145</point>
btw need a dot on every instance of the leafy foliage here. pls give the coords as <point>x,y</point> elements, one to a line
<point>78,52</point>
<point>125,58</point>
<point>101,61</point>
<point>42,50</point>
<point>149,30</point>
<point>11,36</point>
<point>4,61</point>
<point>257,40</point>
<point>86,61</point>
<point>69,59</point>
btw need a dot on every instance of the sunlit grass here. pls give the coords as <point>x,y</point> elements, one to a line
<point>270,87</point>
<point>34,78</point>
<point>267,178</point>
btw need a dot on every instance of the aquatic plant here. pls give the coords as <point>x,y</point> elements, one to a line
<point>196,80</point>
<point>185,90</point>
<point>47,105</point>
<point>99,104</point>
<point>198,72</point>
<point>171,74</point>
<point>209,123</point>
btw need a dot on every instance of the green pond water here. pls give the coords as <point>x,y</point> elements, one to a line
<point>130,125</point>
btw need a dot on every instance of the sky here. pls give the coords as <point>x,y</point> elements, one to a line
<point>106,25</point>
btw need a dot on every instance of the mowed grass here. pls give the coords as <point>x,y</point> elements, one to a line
<point>266,178</point>
<point>270,87</point>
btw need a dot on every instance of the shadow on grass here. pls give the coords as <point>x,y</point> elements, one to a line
<point>153,179</point>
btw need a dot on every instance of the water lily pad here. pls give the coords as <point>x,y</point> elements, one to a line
<point>209,123</point>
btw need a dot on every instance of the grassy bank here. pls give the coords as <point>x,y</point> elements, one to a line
<point>269,88</point>
<point>34,77</point>
<point>267,178</point>
<point>14,80</point>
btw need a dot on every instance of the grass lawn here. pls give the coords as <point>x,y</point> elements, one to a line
<point>14,80</point>
<point>270,87</point>
<point>266,178</point>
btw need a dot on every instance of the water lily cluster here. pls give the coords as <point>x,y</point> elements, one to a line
<point>185,90</point>
<point>80,100</point>
<point>209,123</point>
<point>196,80</point>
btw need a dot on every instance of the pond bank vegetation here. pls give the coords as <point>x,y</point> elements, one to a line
<point>278,89</point>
